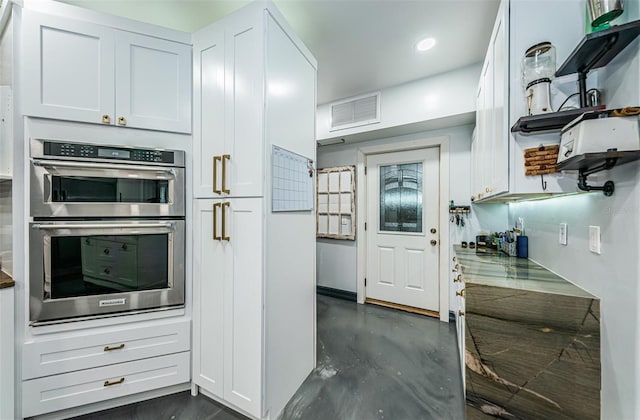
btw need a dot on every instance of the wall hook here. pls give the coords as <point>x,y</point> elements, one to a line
<point>544,183</point>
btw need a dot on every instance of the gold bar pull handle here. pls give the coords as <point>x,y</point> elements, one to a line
<point>216,159</point>
<point>119,381</point>
<point>216,237</point>
<point>224,175</point>
<point>109,348</point>
<point>224,221</point>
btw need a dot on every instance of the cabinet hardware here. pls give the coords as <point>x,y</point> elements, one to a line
<point>122,121</point>
<point>461,313</point>
<point>454,259</point>
<point>118,347</point>
<point>224,222</point>
<point>460,293</point>
<point>224,175</point>
<point>216,237</point>
<point>488,190</point>
<point>458,278</point>
<point>434,242</point>
<point>456,267</point>
<point>433,230</point>
<point>216,159</point>
<point>106,119</point>
<point>106,251</point>
<point>124,247</point>
<point>119,381</point>
<point>107,271</point>
<point>473,197</point>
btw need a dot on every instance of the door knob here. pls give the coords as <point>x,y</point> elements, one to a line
<point>433,230</point>
<point>434,242</point>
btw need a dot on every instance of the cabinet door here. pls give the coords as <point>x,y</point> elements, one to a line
<point>243,304</point>
<point>209,109</point>
<point>69,66</point>
<point>153,83</point>
<point>500,138</point>
<point>244,138</point>
<point>208,298</point>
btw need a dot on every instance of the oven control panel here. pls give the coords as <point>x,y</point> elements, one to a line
<point>91,151</point>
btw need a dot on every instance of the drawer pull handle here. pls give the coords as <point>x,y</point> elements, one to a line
<point>118,347</point>
<point>119,381</point>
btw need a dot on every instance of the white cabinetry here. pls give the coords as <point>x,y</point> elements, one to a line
<point>228,300</point>
<point>254,270</point>
<point>79,71</point>
<point>229,63</point>
<point>497,154</point>
<point>490,153</point>
<point>70,369</point>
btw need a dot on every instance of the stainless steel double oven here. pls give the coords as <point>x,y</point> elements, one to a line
<point>108,230</point>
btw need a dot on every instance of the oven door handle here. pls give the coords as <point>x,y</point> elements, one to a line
<point>92,165</point>
<point>103,226</point>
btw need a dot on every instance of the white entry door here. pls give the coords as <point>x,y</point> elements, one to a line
<point>402,228</point>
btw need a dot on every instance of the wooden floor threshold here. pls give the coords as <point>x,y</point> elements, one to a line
<point>405,308</point>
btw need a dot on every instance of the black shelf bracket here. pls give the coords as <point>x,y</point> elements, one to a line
<point>608,188</point>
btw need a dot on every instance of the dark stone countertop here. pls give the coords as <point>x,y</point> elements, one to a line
<point>500,270</point>
<point>6,280</point>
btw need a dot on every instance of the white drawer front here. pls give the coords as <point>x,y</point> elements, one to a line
<point>95,348</point>
<point>59,392</point>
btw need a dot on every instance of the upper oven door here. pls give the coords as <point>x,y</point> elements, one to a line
<point>63,188</point>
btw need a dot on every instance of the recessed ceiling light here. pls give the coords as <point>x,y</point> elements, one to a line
<point>425,44</point>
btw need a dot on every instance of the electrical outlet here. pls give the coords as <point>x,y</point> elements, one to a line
<point>562,239</point>
<point>594,239</point>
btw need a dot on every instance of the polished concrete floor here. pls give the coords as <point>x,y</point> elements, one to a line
<point>373,363</point>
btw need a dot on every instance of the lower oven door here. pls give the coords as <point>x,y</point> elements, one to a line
<point>88,268</point>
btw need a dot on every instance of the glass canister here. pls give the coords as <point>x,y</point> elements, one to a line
<point>539,62</point>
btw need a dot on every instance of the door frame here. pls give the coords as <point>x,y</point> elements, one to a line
<point>443,214</point>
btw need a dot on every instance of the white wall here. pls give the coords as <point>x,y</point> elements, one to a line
<point>431,98</point>
<point>613,275</point>
<point>336,259</point>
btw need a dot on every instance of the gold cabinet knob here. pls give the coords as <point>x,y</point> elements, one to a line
<point>433,230</point>
<point>461,313</point>
<point>458,278</point>
<point>473,197</point>
<point>454,259</point>
<point>456,267</point>
<point>122,121</point>
<point>488,190</point>
<point>460,293</point>
<point>106,119</point>
<point>479,196</point>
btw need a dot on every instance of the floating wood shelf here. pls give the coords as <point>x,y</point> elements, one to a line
<point>589,163</point>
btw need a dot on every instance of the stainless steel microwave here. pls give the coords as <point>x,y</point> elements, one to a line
<point>88,180</point>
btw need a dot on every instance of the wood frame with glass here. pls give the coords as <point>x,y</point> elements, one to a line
<point>335,203</point>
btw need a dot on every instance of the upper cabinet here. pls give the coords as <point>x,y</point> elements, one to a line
<point>498,154</point>
<point>229,85</point>
<point>85,72</point>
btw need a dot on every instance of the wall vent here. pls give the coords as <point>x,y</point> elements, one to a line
<point>354,112</point>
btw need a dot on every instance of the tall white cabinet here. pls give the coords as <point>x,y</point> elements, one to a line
<point>254,270</point>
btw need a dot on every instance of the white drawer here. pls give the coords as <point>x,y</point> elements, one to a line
<point>59,392</point>
<point>104,346</point>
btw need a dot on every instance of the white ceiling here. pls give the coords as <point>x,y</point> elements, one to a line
<point>361,45</point>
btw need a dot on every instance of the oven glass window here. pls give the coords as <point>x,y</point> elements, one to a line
<point>95,265</point>
<point>82,189</point>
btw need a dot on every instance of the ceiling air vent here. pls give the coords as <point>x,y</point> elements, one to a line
<point>354,112</point>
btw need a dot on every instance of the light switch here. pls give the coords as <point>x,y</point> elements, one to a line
<point>562,239</point>
<point>594,239</point>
